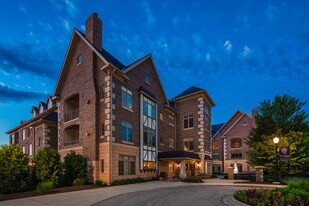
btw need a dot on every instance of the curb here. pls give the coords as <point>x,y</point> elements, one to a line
<point>231,201</point>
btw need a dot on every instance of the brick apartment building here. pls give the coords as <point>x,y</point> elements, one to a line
<point>228,141</point>
<point>39,131</point>
<point>120,119</point>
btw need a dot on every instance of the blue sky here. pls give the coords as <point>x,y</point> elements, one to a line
<point>241,52</point>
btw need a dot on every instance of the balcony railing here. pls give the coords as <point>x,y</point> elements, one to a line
<point>71,115</point>
<point>71,142</point>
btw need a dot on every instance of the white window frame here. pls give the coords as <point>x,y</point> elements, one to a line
<point>127,93</point>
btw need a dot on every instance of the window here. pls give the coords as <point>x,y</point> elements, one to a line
<point>188,144</point>
<point>126,98</point>
<point>215,156</point>
<point>30,150</point>
<point>101,92</point>
<point>171,143</point>
<point>126,165</point>
<point>147,79</point>
<point>171,120</point>
<point>102,166</point>
<point>236,143</point>
<point>171,168</point>
<point>239,166</point>
<point>24,149</point>
<point>149,137</point>
<point>24,134</point>
<point>188,121</point>
<point>216,145</point>
<point>161,116</point>
<point>39,141</point>
<point>161,140</point>
<point>13,139</point>
<point>244,123</point>
<point>126,131</point>
<point>30,132</point>
<point>79,59</point>
<point>236,155</point>
<point>206,109</point>
<point>102,130</point>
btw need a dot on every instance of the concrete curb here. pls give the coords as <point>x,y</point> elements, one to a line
<point>231,201</point>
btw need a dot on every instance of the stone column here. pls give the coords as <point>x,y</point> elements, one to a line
<point>202,163</point>
<point>259,175</point>
<point>182,173</point>
<point>230,173</point>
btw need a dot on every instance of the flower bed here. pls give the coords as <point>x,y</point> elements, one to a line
<point>297,193</point>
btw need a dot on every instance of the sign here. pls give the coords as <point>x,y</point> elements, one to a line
<point>284,154</point>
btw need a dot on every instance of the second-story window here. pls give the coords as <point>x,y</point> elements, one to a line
<point>171,142</point>
<point>171,120</point>
<point>188,144</point>
<point>79,59</point>
<point>101,92</point>
<point>126,98</point>
<point>147,79</point>
<point>236,143</point>
<point>188,121</point>
<point>24,134</point>
<point>216,145</point>
<point>126,131</point>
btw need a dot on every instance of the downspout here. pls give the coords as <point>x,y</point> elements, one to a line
<point>111,137</point>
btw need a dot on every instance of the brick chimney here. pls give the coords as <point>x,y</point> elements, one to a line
<point>94,31</point>
<point>254,114</point>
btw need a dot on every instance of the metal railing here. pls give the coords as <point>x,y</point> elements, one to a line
<point>71,115</point>
<point>72,142</point>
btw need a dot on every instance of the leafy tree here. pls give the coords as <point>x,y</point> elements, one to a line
<point>14,169</point>
<point>47,165</point>
<point>283,117</point>
<point>75,167</point>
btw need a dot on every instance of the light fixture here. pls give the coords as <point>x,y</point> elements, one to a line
<point>276,140</point>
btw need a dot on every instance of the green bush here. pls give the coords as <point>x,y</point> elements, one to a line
<point>75,166</point>
<point>78,182</point>
<point>98,183</point>
<point>193,179</point>
<point>45,187</point>
<point>213,176</point>
<point>47,165</point>
<point>299,184</point>
<point>14,169</point>
<point>128,181</point>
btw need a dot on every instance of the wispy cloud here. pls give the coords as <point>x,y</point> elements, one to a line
<point>66,24</point>
<point>71,8</point>
<point>228,45</point>
<point>8,94</point>
<point>151,19</point>
<point>247,51</point>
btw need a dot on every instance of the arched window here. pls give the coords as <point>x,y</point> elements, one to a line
<point>71,108</point>
<point>71,135</point>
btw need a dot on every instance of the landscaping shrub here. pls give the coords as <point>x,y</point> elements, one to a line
<point>213,176</point>
<point>193,179</point>
<point>47,165</point>
<point>78,182</point>
<point>98,183</point>
<point>45,187</point>
<point>128,181</point>
<point>75,166</point>
<point>14,169</point>
<point>296,193</point>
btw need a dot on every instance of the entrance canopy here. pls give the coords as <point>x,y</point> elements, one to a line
<point>180,155</point>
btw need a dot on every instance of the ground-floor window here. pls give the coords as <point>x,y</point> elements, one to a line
<point>126,165</point>
<point>216,168</point>
<point>171,168</point>
<point>102,166</point>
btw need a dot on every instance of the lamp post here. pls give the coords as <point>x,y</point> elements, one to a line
<point>276,141</point>
<point>222,143</point>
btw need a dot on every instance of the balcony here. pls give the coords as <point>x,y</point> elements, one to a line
<point>71,115</point>
<point>71,136</point>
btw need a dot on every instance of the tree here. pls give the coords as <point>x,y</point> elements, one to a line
<point>75,166</point>
<point>284,118</point>
<point>47,165</point>
<point>14,169</point>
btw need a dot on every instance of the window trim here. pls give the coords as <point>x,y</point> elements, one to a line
<point>127,92</point>
<point>188,118</point>
<point>130,160</point>
<point>127,131</point>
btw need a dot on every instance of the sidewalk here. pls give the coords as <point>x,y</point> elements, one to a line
<point>89,197</point>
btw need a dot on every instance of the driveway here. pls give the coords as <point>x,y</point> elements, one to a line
<point>179,196</point>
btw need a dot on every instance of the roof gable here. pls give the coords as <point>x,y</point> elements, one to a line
<point>187,92</point>
<point>215,128</point>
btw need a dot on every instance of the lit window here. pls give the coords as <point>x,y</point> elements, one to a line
<point>188,144</point>
<point>101,92</point>
<point>126,131</point>
<point>30,150</point>
<point>161,116</point>
<point>216,145</point>
<point>171,120</point>
<point>126,98</point>
<point>171,168</point>
<point>126,165</point>
<point>236,143</point>
<point>171,143</point>
<point>24,134</point>
<point>188,121</point>
<point>147,79</point>
<point>79,59</point>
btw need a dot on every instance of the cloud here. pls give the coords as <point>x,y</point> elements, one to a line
<point>22,8</point>
<point>11,95</point>
<point>21,58</point>
<point>71,8</point>
<point>228,45</point>
<point>247,51</point>
<point>66,24</point>
<point>151,19</point>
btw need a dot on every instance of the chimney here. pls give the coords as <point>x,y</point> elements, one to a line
<point>94,31</point>
<point>254,114</point>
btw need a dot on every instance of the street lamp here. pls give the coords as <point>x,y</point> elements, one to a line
<point>222,145</point>
<point>276,141</point>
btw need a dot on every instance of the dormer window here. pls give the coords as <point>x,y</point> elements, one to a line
<point>79,59</point>
<point>147,79</point>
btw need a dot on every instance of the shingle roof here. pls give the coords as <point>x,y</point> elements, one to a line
<point>178,155</point>
<point>189,91</point>
<point>110,58</point>
<point>215,128</point>
<point>43,104</point>
<point>53,117</point>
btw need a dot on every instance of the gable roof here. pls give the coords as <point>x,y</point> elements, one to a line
<point>110,58</point>
<point>215,128</point>
<point>43,104</point>
<point>35,109</point>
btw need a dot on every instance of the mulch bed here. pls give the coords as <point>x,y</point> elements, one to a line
<point>55,191</point>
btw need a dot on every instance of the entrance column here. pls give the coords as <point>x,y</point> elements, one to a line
<point>182,173</point>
